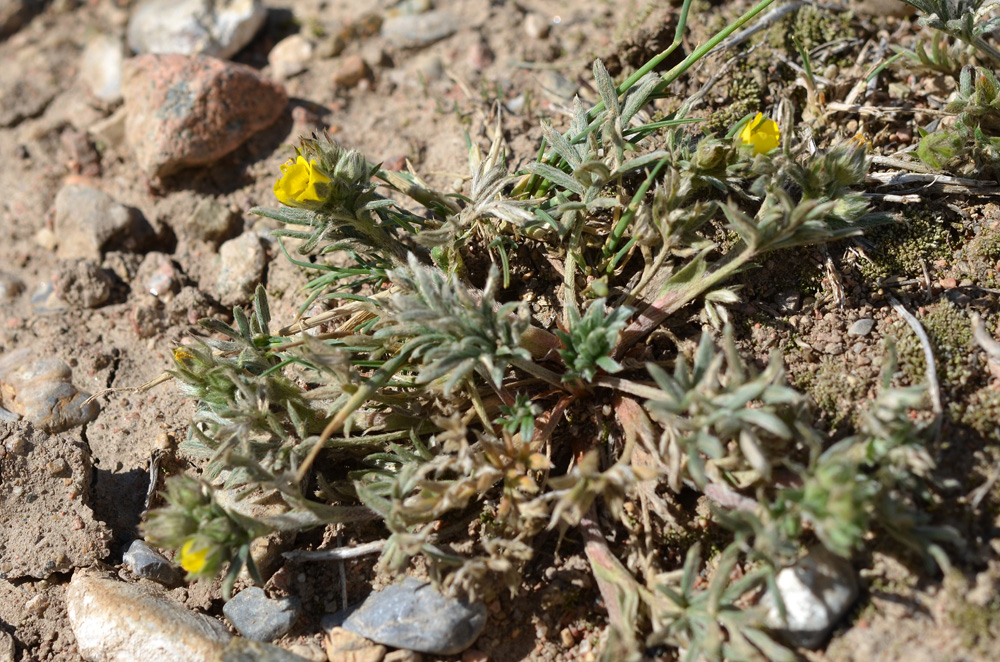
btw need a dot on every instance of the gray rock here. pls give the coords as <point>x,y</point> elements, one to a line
<point>789,302</point>
<point>245,650</point>
<point>11,287</point>
<point>862,327</point>
<point>114,621</point>
<point>101,67</point>
<point>219,28</point>
<point>260,618</point>
<point>40,390</point>
<point>242,266</point>
<point>89,222</point>
<point>146,561</point>
<point>817,591</point>
<point>82,283</point>
<point>414,615</point>
<point>416,30</point>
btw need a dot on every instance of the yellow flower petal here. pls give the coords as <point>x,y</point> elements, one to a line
<point>194,560</point>
<point>297,184</point>
<point>761,133</point>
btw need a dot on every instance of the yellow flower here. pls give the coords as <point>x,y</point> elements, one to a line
<point>182,354</point>
<point>194,560</point>
<point>761,133</point>
<point>297,184</point>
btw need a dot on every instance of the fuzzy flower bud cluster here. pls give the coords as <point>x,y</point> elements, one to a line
<point>324,175</point>
<point>204,534</point>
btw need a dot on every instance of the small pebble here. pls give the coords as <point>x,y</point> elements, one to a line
<point>57,467</point>
<point>817,591</point>
<point>352,70</point>
<point>536,26</point>
<point>290,56</point>
<point>331,46</point>
<point>789,302</point>
<point>16,445</point>
<point>146,561</point>
<point>416,30</point>
<point>862,327</point>
<point>158,276</point>
<point>257,617</point>
<point>242,262</point>
<point>37,605</point>
<point>414,615</point>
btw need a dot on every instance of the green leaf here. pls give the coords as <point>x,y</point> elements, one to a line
<point>557,177</point>
<point>766,421</point>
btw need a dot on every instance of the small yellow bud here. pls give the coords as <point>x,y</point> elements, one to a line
<point>761,133</point>
<point>297,185</point>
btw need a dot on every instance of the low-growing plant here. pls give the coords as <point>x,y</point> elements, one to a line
<point>428,396</point>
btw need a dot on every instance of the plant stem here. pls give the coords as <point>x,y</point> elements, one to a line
<point>364,392</point>
<point>675,298</point>
<point>633,388</point>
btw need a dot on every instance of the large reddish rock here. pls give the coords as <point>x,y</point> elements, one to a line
<point>185,111</point>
